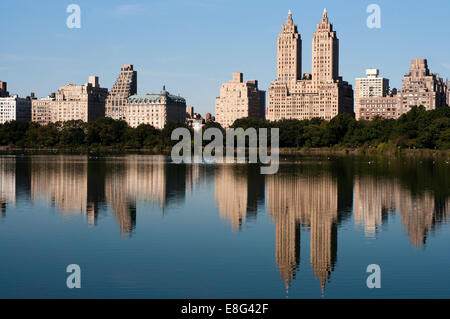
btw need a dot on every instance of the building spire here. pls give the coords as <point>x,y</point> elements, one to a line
<point>289,20</point>
<point>325,16</point>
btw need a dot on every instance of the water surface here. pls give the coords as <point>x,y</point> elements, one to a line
<point>141,227</point>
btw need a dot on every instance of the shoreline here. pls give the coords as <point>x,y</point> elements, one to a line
<point>322,151</point>
<point>427,153</point>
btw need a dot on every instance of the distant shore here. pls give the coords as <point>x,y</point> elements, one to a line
<point>366,152</point>
<point>321,151</point>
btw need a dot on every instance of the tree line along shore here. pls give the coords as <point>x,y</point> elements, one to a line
<point>427,131</point>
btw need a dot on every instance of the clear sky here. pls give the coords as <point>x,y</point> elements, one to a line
<point>192,46</point>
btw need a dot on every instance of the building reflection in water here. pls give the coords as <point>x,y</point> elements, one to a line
<point>308,197</point>
<point>238,190</point>
<point>374,199</point>
<point>310,201</point>
<point>7,183</point>
<point>75,184</point>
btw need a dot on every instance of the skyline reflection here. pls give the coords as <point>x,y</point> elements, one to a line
<point>314,196</point>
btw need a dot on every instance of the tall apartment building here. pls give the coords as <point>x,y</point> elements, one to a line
<point>124,87</point>
<point>190,112</point>
<point>14,108</point>
<point>72,102</point>
<point>369,87</point>
<point>372,85</point>
<point>237,99</point>
<point>4,89</point>
<point>419,87</point>
<point>155,109</point>
<point>41,109</point>
<point>320,94</point>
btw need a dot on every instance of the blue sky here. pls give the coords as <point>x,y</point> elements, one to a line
<point>192,46</point>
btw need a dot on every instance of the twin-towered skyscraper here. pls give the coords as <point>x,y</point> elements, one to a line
<point>294,95</point>
<point>322,93</point>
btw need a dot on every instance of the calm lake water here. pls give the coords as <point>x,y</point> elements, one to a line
<point>141,227</point>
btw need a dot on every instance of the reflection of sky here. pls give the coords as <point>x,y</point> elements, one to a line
<point>187,250</point>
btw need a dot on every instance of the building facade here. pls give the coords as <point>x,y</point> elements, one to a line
<point>14,108</point>
<point>369,87</point>
<point>4,89</point>
<point>419,87</point>
<point>155,109</point>
<point>72,102</point>
<point>41,109</point>
<point>238,99</point>
<point>190,112</point>
<point>322,93</point>
<point>124,87</point>
<point>378,106</point>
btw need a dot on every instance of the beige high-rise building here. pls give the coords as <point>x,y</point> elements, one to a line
<point>124,87</point>
<point>419,87</point>
<point>155,109</point>
<point>289,52</point>
<point>72,102</point>
<point>320,94</point>
<point>238,99</point>
<point>41,109</point>
<point>370,86</point>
